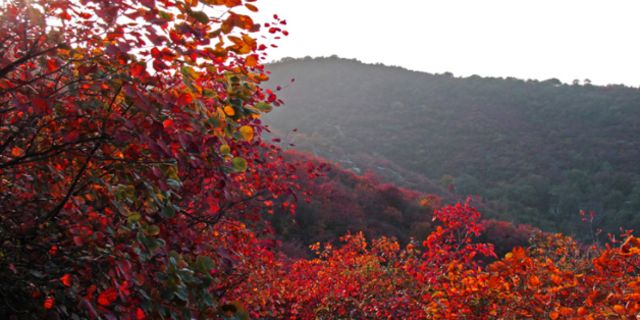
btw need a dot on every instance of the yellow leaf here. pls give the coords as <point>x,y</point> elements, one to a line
<point>225,149</point>
<point>246,132</point>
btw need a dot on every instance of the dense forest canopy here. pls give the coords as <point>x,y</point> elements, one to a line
<point>538,152</point>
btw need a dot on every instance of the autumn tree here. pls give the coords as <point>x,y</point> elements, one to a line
<point>129,144</point>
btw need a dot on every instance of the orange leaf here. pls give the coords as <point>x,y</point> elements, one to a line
<point>631,243</point>
<point>229,111</point>
<point>565,311</point>
<point>252,61</point>
<point>232,3</point>
<point>553,315</point>
<point>251,7</point>
<point>582,311</point>
<point>618,309</point>
<point>17,152</point>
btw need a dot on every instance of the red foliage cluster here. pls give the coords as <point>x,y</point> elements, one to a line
<point>129,147</point>
<point>341,201</point>
<point>552,279</point>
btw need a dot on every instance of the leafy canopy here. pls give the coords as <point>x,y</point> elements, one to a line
<point>129,144</point>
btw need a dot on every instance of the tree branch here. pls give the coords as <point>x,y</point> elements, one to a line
<point>56,210</point>
<point>8,68</point>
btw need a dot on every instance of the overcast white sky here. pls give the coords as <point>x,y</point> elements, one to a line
<point>539,39</point>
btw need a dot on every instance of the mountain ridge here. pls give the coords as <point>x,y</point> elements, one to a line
<point>552,80</point>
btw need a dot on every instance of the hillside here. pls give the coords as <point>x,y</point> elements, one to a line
<point>536,151</point>
<point>341,202</point>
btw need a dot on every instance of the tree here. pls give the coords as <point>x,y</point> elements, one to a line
<point>129,135</point>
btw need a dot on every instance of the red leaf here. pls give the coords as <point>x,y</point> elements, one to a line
<point>137,70</point>
<point>140,314</point>
<point>184,99</point>
<point>78,240</point>
<point>158,65</point>
<point>49,302</point>
<point>151,4</point>
<point>175,36</point>
<point>107,297</point>
<point>91,290</point>
<point>40,104</point>
<point>52,65</point>
<point>64,16</point>
<point>66,280</point>
<point>71,136</point>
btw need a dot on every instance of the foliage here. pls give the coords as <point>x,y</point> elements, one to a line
<point>129,144</point>
<point>554,278</point>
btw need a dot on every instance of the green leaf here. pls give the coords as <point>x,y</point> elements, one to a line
<point>167,294</point>
<point>148,243</point>
<point>207,300</point>
<point>152,230</point>
<point>167,211</point>
<point>204,263</point>
<point>214,121</point>
<point>239,164</point>
<point>134,217</point>
<point>188,72</point>
<point>165,15</point>
<point>182,293</point>
<point>264,107</point>
<point>175,184</point>
<point>199,16</point>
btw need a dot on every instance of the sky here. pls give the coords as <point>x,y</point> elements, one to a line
<point>541,39</point>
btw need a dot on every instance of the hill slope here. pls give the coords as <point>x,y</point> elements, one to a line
<point>342,202</point>
<point>537,152</point>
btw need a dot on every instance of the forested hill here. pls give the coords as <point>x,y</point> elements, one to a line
<point>536,151</point>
